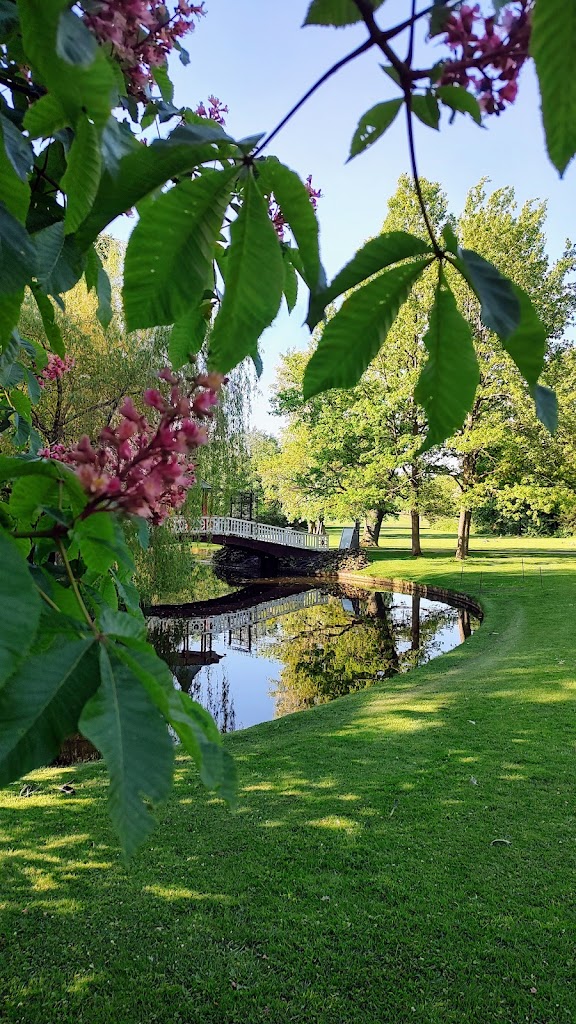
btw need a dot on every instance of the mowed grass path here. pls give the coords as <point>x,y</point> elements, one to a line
<point>358,882</point>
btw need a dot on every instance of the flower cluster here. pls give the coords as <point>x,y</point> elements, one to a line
<point>55,368</point>
<point>488,53</point>
<point>141,34</point>
<point>139,469</point>
<point>275,212</point>
<point>215,110</point>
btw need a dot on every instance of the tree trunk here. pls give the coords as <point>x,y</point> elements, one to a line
<point>415,523</point>
<point>463,533</point>
<point>372,526</point>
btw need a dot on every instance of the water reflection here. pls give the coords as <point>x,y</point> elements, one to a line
<point>269,650</point>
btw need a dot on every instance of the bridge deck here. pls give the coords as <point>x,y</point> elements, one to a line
<point>248,534</point>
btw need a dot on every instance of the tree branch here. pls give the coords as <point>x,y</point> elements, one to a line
<point>328,74</point>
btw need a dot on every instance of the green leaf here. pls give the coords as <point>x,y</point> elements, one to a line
<point>254,283</point>
<point>48,244</point>
<point>290,282</point>
<point>20,607</point>
<point>292,197</point>
<point>335,12</point>
<point>449,378</point>
<point>16,253</point>
<point>426,109</point>
<point>392,73</point>
<point>22,404</point>
<point>373,124</point>
<point>458,98</point>
<point>45,117</point>
<point>121,625</point>
<point>546,407</point>
<point>183,54</point>
<point>170,251</point>
<point>162,79</point>
<point>29,494</point>
<point>74,42</point>
<point>80,183</point>
<point>97,279</point>
<point>186,338</point>
<point>47,313</point>
<point>41,703</point>
<point>450,239</point>
<point>34,389</point>
<point>352,338</point>
<point>67,270</point>
<point>438,17</point>
<point>96,538</point>
<point>8,18</point>
<point>527,344</point>
<point>127,592</point>
<point>17,147</point>
<point>553,44</point>
<point>81,90</point>
<point>9,316</point>
<point>141,173</point>
<point>122,722</point>
<point>194,726</point>
<point>12,468</point>
<point>118,141</point>
<point>14,191</point>
<point>374,256</point>
<point>104,311</point>
<point>500,307</point>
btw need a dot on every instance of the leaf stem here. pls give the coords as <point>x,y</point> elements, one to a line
<point>75,587</point>
<point>367,45</point>
<point>415,176</point>
<point>47,599</point>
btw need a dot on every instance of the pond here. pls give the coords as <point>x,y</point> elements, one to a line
<point>272,647</point>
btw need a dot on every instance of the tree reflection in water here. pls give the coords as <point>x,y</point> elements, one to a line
<point>327,654</point>
<point>349,640</point>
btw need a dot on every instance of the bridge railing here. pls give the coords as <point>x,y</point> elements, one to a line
<point>258,615</point>
<point>227,526</point>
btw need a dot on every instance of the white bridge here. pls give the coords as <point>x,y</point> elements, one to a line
<point>223,529</point>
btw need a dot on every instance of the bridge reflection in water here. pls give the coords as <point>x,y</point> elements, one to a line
<point>270,650</point>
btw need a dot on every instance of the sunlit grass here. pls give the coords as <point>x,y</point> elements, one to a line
<point>406,853</point>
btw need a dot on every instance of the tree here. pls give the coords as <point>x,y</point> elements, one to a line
<point>76,81</point>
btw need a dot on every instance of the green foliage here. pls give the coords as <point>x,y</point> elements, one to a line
<point>170,251</point>
<point>122,723</point>
<point>500,307</point>
<point>21,608</point>
<point>372,126</point>
<point>552,46</point>
<point>40,704</point>
<point>425,107</point>
<point>335,12</point>
<point>460,100</point>
<point>254,283</point>
<point>446,391</point>
<point>375,255</point>
<point>294,201</point>
<point>354,335</point>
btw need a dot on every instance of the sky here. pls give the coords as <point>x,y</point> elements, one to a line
<point>258,60</point>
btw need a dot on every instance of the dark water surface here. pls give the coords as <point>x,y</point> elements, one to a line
<point>276,646</point>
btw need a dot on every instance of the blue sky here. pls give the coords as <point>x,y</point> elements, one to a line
<point>255,57</point>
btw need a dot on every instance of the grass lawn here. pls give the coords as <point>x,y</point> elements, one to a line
<point>358,883</point>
